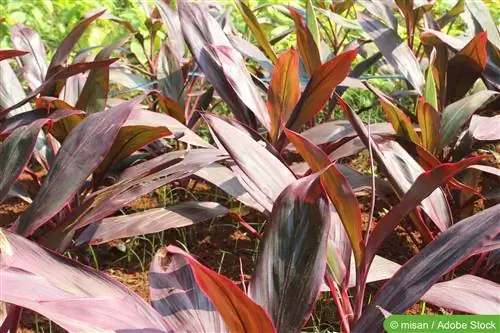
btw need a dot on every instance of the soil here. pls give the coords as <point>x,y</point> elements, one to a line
<point>225,246</point>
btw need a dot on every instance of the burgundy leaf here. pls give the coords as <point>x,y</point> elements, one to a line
<point>7,54</point>
<point>82,151</point>
<point>176,295</point>
<point>15,153</point>
<point>63,51</point>
<point>171,19</point>
<point>405,169</point>
<point>266,171</point>
<point>74,296</point>
<point>395,50</point>
<point>422,187</point>
<point>238,311</point>
<point>61,75</point>
<point>421,272</point>
<point>292,255</point>
<point>34,63</point>
<point>94,93</point>
<point>226,180</point>
<point>467,293</point>
<point>150,221</point>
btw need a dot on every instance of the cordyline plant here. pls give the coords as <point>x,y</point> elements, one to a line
<point>99,153</point>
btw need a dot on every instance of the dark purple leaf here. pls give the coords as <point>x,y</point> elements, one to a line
<point>225,69</point>
<point>455,115</point>
<point>150,221</point>
<point>82,151</point>
<point>63,51</point>
<point>34,63</point>
<point>292,255</point>
<point>199,27</point>
<point>467,293</point>
<point>7,126</point>
<point>266,171</point>
<point>405,170</point>
<point>334,131</point>
<point>15,153</point>
<point>175,294</point>
<point>94,93</point>
<point>111,199</point>
<point>171,19</point>
<point>226,180</point>
<point>394,50</point>
<point>74,296</point>
<point>422,187</point>
<point>421,272</point>
<point>222,65</point>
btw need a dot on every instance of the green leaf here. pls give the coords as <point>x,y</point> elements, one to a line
<point>430,93</point>
<point>455,115</point>
<point>312,23</point>
<point>256,29</point>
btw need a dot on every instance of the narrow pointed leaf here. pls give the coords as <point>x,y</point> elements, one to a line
<point>34,63</point>
<point>338,189</point>
<point>150,221</point>
<point>284,91</point>
<point>11,92</point>
<point>308,49</point>
<point>15,153</point>
<point>455,115</point>
<point>257,30</point>
<point>225,69</point>
<point>7,54</point>
<point>483,17</point>
<point>339,19</point>
<point>95,91</point>
<point>226,180</point>
<point>312,23</point>
<point>430,93</point>
<point>394,50</point>
<point>423,186</point>
<point>176,295</point>
<point>237,310</point>
<point>77,297</point>
<point>292,255</point>
<point>467,293</point>
<point>82,151</point>
<point>59,77</point>
<point>382,10</point>
<point>321,85</point>
<point>169,74</point>
<point>66,46</point>
<point>171,19</point>
<point>406,171</point>
<point>421,272</point>
<point>466,67</point>
<point>429,120</point>
<point>269,174</point>
<point>399,120</point>
<point>199,28</point>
